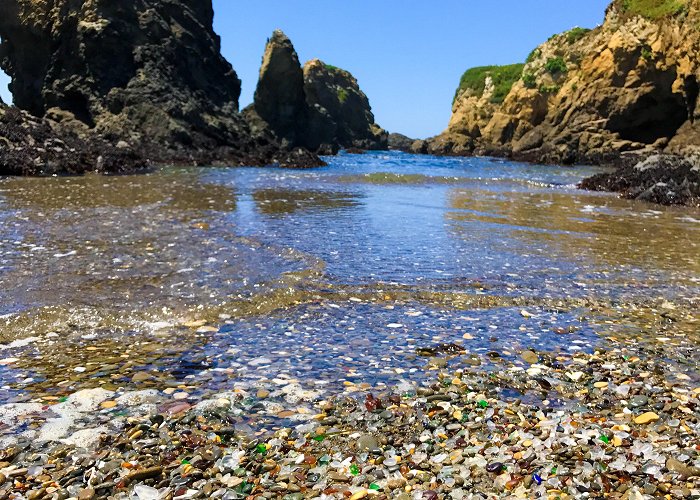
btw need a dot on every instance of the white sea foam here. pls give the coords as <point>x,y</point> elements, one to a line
<point>19,343</point>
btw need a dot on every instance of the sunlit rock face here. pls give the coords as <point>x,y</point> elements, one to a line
<point>627,87</point>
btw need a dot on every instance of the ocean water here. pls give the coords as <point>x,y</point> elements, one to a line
<point>219,276</point>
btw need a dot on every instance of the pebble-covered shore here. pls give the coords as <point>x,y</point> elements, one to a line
<point>257,333</point>
<point>612,424</point>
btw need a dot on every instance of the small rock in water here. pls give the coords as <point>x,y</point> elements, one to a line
<point>86,494</point>
<point>684,470</point>
<point>638,401</point>
<point>335,476</point>
<point>175,407</point>
<point>438,362</point>
<point>472,360</point>
<point>141,377</point>
<point>530,357</point>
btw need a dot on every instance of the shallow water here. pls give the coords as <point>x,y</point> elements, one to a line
<point>336,276</point>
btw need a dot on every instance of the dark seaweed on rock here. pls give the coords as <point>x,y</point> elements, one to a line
<point>663,179</point>
<point>31,146</point>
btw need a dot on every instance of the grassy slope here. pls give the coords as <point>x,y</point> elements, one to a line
<point>653,9</point>
<point>503,77</point>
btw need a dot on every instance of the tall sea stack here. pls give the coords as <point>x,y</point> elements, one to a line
<point>317,106</point>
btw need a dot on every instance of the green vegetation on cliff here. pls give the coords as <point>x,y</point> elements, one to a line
<point>575,34</point>
<point>556,66</point>
<point>537,52</point>
<point>653,9</point>
<point>530,80</point>
<point>503,78</point>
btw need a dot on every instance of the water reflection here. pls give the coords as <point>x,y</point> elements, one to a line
<point>280,201</point>
<point>389,178</point>
<point>125,243</point>
<point>171,189</point>
<point>584,229</point>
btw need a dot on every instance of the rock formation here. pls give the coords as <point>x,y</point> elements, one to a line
<point>340,112</point>
<point>400,142</point>
<point>319,107</point>
<point>34,146</point>
<point>664,179</point>
<point>627,87</point>
<point>148,72</point>
<point>279,96</point>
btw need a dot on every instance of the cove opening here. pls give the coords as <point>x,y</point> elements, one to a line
<point>5,94</point>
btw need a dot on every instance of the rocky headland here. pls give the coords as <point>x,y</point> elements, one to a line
<point>615,95</point>
<point>149,77</point>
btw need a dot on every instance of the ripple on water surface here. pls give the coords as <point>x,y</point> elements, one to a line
<point>217,277</point>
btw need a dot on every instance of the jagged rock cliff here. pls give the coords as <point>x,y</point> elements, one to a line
<point>340,112</point>
<point>319,107</point>
<point>148,72</point>
<point>629,86</point>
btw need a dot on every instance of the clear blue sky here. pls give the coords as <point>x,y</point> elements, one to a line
<point>408,55</point>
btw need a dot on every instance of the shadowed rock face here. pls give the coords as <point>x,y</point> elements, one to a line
<point>148,72</point>
<point>400,142</point>
<point>663,179</point>
<point>340,112</point>
<point>319,107</point>
<point>628,87</point>
<point>279,96</point>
